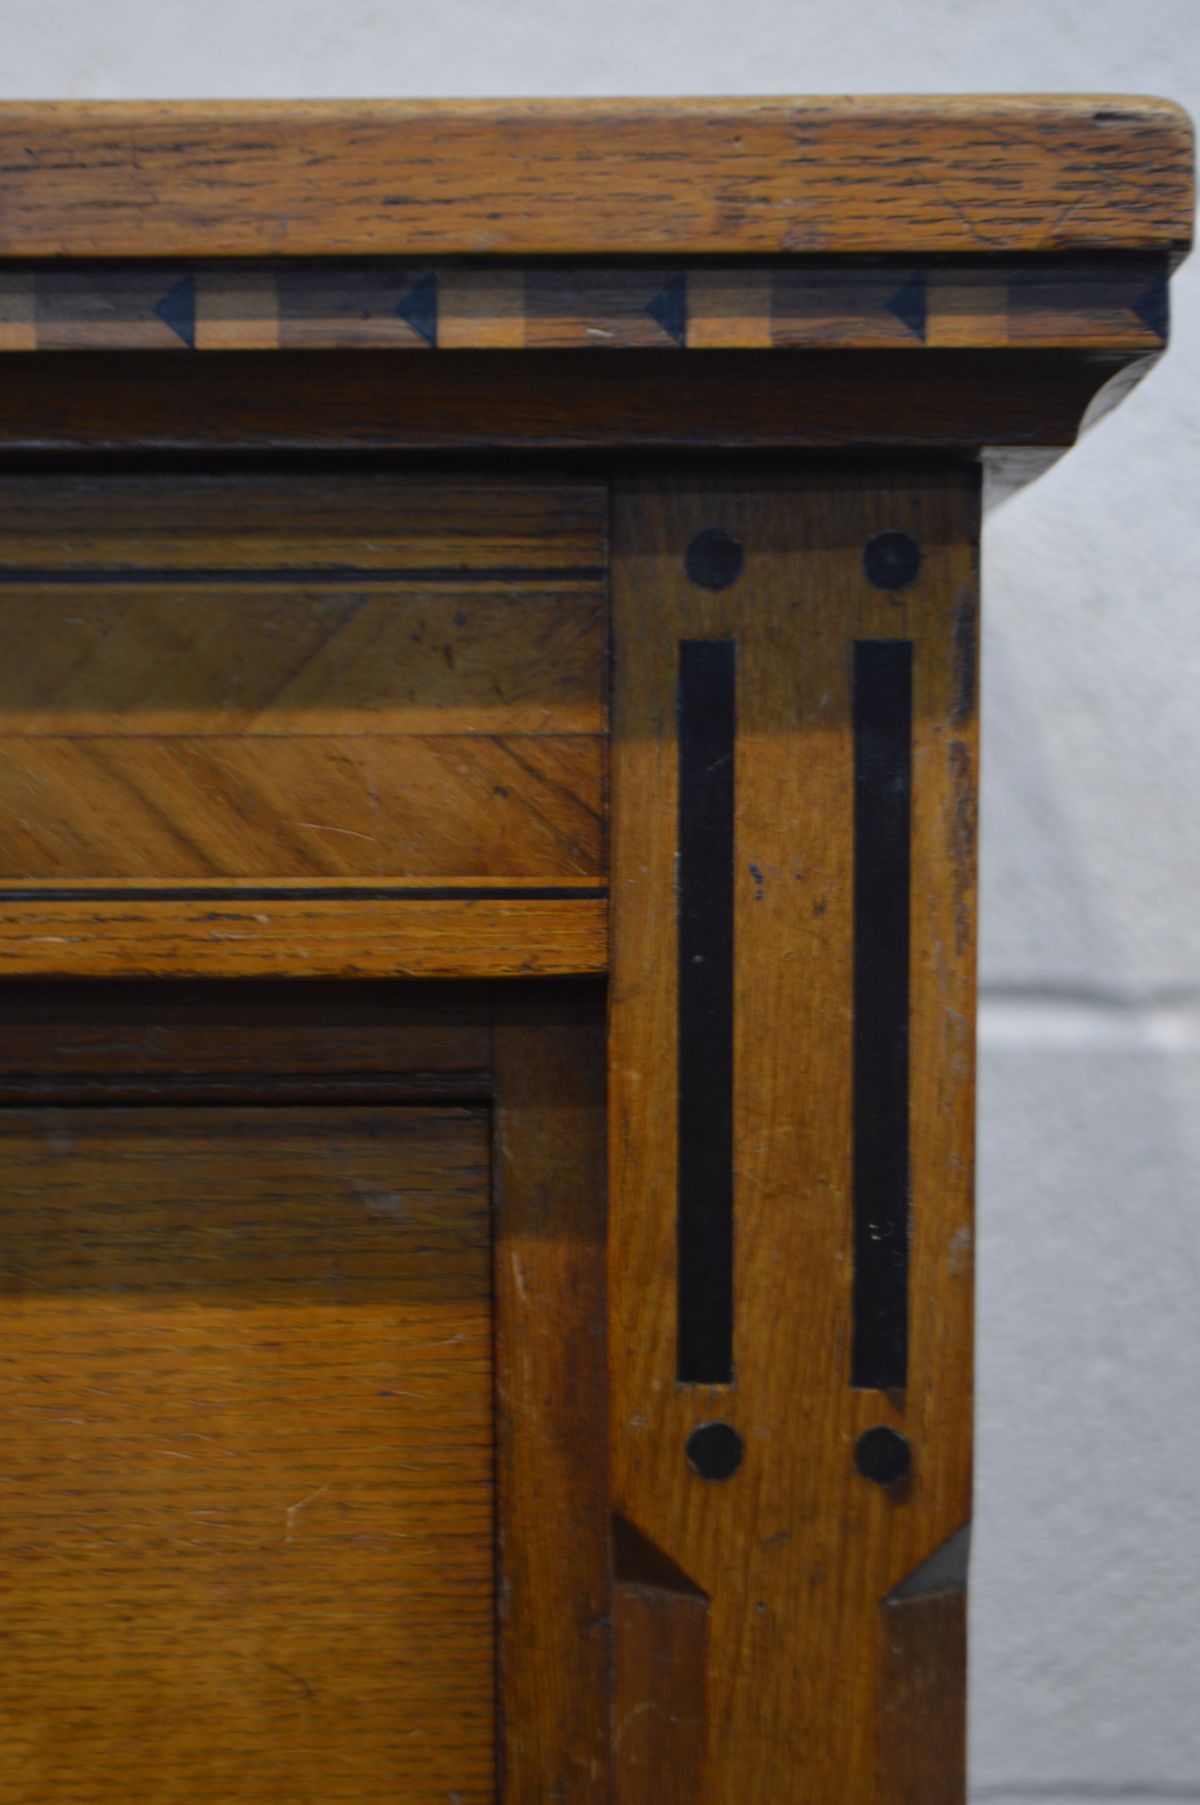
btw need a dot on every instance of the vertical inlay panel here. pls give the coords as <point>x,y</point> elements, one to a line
<point>794,1549</point>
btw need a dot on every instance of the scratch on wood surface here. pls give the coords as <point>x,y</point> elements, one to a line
<point>293,1510</point>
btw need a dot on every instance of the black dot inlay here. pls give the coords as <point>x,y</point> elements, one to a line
<point>891,560</point>
<point>714,559</point>
<point>883,1455</point>
<point>714,1450</point>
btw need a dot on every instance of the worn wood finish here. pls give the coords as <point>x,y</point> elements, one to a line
<point>245,1380</point>
<point>795,1553</point>
<point>923,174</point>
<point>254,932</point>
<point>294,678</point>
<point>499,658</point>
<point>660,1697</point>
<point>922,1729</point>
<point>660,1692</point>
<point>555,1632</point>
<point>815,303</point>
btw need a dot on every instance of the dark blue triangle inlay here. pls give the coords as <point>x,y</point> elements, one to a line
<point>177,309</point>
<point>908,304</point>
<point>419,307</point>
<point>669,308</point>
<point>1153,307</point>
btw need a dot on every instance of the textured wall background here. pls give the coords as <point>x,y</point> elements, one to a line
<point>1086,1631</point>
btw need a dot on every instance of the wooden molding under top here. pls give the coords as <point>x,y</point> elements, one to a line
<point>1108,305</point>
<point>913,177</point>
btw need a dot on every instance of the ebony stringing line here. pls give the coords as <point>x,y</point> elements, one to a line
<point>439,893</point>
<point>882,836</point>
<point>360,575</point>
<point>706,729</point>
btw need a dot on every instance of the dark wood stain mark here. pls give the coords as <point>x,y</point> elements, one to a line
<point>966,657</point>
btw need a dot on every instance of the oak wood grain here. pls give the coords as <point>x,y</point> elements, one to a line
<point>796,1551</point>
<point>554,1625</point>
<point>265,936</point>
<point>246,1389</point>
<point>1030,173</point>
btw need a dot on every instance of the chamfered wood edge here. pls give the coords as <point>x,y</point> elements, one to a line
<point>912,175</point>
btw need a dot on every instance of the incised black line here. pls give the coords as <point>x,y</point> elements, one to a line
<point>309,893</point>
<point>357,574</point>
<point>706,729</point>
<point>882,859</point>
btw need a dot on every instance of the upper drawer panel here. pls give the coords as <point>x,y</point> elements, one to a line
<point>300,677</point>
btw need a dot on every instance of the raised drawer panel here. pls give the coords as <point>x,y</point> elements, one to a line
<point>247,1545</point>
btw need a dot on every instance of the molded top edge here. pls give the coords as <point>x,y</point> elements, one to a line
<point>921,175</point>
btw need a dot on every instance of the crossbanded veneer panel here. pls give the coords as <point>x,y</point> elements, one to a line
<point>288,678</point>
<point>366,806</point>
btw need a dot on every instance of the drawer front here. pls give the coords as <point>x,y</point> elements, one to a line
<point>329,678</point>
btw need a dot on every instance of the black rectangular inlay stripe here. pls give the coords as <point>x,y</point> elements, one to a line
<point>882,856</point>
<point>707,725</point>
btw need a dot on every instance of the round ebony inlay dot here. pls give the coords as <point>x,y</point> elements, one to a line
<point>714,559</point>
<point>882,1455</point>
<point>891,560</point>
<point>714,1450</point>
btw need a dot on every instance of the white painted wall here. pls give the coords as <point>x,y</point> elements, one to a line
<point>1086,1627</point>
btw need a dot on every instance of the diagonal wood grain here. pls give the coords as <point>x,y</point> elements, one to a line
<point>182,658</point>
<point>354,806</point>
<point>301,678</point>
